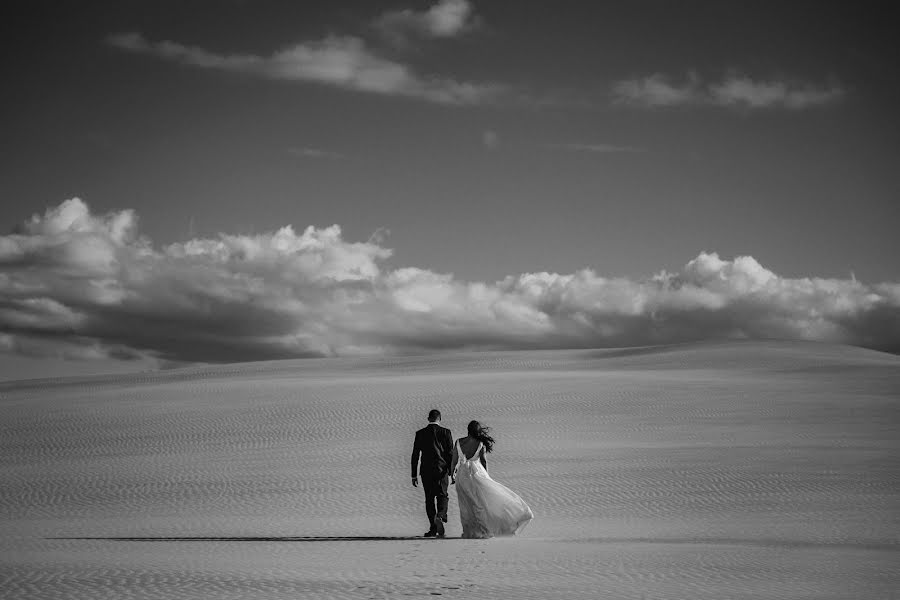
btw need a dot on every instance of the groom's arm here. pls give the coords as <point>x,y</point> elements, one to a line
<point>414,461</point>
<point>448,449</point>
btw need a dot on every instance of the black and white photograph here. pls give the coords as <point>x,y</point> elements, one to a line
<point>473,299</point>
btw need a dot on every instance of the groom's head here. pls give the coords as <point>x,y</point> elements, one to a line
<point>434,415</point>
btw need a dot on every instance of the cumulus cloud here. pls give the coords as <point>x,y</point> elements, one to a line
<point>445,19</point>
<point>340,61</point>
<point>77,284</point>
<point>735,90</point>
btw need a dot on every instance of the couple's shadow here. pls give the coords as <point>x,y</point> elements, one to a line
<point>305,538</point>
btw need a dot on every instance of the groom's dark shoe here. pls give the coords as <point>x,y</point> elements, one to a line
<point>429,533</point>
<point>439,527</point>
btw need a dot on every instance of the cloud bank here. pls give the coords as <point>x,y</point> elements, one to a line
<point>348,62</point>
<point>733,91</point>
<point>344,62</point>
<point>79,285</point>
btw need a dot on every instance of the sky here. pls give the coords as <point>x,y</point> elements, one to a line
<point>216,181</point>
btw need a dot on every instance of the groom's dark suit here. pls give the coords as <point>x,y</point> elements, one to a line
<point>435,444</point>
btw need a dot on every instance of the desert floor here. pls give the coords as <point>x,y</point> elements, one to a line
<point>700,471</point>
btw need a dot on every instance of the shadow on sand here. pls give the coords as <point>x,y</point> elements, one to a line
<point>342,538</point>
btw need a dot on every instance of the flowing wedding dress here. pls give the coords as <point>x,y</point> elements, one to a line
<point>486,507</point>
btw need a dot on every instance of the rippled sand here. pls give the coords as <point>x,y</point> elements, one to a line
<point>736,470</point>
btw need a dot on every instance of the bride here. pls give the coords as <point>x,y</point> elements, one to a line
<point>486,507</point>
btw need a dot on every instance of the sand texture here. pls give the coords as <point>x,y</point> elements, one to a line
<point>705,471</point>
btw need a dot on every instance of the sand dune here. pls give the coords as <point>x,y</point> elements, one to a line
<point>715,470</point>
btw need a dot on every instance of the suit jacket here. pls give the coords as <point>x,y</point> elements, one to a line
<point>435,444</point>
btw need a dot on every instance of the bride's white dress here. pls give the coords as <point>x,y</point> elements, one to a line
<point>486,508</point>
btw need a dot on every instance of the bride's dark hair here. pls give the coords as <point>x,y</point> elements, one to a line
<point>482,434</point>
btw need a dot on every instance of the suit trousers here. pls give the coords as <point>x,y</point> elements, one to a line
<point>436,497</point>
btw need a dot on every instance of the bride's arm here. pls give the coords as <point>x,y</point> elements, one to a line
<point>483,459</point>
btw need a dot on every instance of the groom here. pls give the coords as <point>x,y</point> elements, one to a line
<point>435,444</point>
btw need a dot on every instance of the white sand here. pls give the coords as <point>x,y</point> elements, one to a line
<point>738,470</point>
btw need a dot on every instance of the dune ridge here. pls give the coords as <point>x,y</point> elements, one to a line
<point>744,354</point>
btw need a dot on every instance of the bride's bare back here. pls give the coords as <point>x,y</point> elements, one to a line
<point>468,445</point>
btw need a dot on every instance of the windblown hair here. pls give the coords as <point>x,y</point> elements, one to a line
<point>482,434</point>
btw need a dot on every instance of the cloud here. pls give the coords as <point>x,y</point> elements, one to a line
<point>742,91</point>
<point>596,148</point>
<point>490,139</point>
<point>445,19</point>
<point>76,284</point>
<point>305,152</point>
<point>340,61</point>
<point>732,91</point>
<point>656,90</point>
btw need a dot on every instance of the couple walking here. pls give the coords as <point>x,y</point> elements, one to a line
<point>486,507</point>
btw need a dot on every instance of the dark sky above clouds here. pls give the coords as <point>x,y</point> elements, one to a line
<point>459,146</point>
